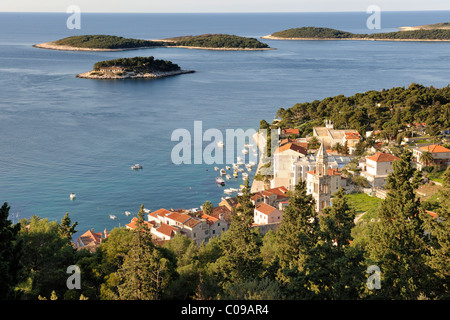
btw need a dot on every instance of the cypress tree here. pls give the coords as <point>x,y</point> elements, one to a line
<point>397,243</point>
<point>296,236</point>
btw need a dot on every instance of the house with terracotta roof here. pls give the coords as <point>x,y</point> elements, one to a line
<point>376,168</point>
<point>330,136</point>
<point>271,196</point>
<point>283,158</point>
<point>266,214</point>
<point>286,133</point>
<point>165,224</point>
<point>440,154</point>
<point>91,240</point>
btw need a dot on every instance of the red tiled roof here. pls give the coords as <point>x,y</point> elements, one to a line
<point>431,213</point>
<point>292,146</point>
<point>352,135</point>
<point>132,224</point>
<point>178,217</point>
<point>209,219</point>
<point>383,157</point>
<point>90,238</point>
<point>160,212</point>
<point>167,230</point>
<point>290,131</point>
<point>266,209</point>
<point>434,148</point>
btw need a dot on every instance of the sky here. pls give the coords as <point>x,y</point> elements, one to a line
<point>220,5</point>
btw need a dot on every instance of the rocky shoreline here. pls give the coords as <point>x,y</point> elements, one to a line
<point>130,75</point>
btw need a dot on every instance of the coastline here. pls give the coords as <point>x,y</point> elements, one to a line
<point>130,75</point>
<point>52,46</point>
<point>270,37</point>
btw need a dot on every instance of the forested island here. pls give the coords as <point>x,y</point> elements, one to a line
<point>132,68</point>
<point>314,33</point>
<point>115,43</point>
<point>98,43</point>
<point>217,41</point>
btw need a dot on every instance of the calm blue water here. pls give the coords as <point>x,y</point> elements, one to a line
<point>60,134</point>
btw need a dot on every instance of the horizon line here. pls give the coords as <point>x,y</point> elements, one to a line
<point>224,12</point>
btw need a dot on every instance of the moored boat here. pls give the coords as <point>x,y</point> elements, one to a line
<point>220,181</point>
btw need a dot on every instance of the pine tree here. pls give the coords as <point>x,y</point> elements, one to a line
<point>296,236</point>
<point>66,229</point>
<point>438,228</point>
<point>397,244</point>
<point>145,271</point>
<point>240,245</point>
<point>335,268</point>
<point>10,252</point>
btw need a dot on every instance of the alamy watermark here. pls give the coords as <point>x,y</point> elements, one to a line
<point>73,281</point>
<point>74,20</point>
<point>374,20</point>
<point>374,280</point>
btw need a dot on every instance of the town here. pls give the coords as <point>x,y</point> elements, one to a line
<point>327,160</point>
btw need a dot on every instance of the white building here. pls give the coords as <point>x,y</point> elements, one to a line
<point>377,167</point>
<point>266,214</point>
<point>283,158</point>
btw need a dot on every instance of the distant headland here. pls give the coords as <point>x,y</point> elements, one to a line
<point>114,43</point>
<point>438,32</point>
<point>133,68</point>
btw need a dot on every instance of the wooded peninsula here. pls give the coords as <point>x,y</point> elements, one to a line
<point>314,33</point>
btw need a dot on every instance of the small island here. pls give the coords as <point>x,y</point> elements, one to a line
<point>216,42</point>
<point>115,43</point>
<point>134,68</point>
<point>314,33</point>
<point>98,43</point>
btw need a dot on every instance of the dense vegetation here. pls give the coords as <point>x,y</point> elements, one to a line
<point>327,33</point>
<point>389,110</point>
<point>106,42</point>
<point>309,256</point>
<point>139,64</point>
<point>205,40</point>
<point>218,41</point>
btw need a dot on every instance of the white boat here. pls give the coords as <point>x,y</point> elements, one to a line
<point>244,151</point>
<point>127,213</point>
<point>240,160</point>
<point>113,217</point>
<point>220,181</point>
<point>228,167</point>
<point>216,168</point>
<point>234,190</point>
<point>220,144</point>
<point>223,172</point>
<point>137,166</point>
<point>72,196</point>
<point>240,169</point>
<point>249,145</point>
<point>252,163</point>
<point>228,177</point>
<point>235,166</point>
<point>228,191</point>
<point>235,173</point>
<point>245,176</point>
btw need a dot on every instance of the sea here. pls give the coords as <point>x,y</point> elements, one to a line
<point>61,134</point>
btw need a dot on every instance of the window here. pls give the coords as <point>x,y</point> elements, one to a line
<point>214,231</point>
<point>218,224</point>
